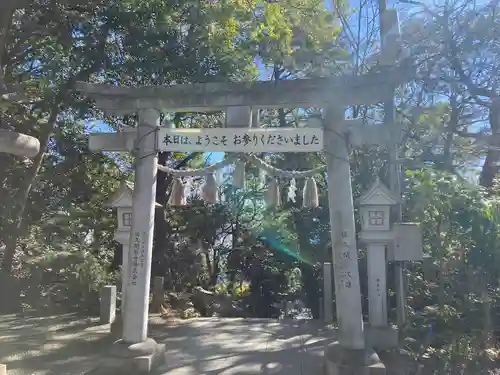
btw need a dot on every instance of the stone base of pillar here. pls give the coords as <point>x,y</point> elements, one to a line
<point>343,361</point>
<point>140,358</point>
<point>381,338</point>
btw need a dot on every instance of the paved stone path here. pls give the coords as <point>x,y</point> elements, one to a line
<point>244,347</point>
<point>62,344</point>
<point>72,345</point>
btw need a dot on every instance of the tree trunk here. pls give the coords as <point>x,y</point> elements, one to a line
<point>441,295</point>
<point>158,267</point>
<point>162,179</point>
<point>488,321</point>
<point>23,195</point>
<point>7,9</point>
<point>491,163</point>
<point>163,182</point>
<point>450,131</point>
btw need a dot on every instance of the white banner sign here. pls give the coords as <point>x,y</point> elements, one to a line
<point>241,140</point>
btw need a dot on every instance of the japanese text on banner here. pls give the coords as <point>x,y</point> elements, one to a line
<point>245,140</point>
<point>238,140</point>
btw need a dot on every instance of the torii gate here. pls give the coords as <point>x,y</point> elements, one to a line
<point>332,94</point>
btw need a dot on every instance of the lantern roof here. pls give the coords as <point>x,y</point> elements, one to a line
<point>123,197</point>
<point>378,195</point>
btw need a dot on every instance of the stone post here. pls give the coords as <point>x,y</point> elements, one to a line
<point>327,293</point>
<point>377,288</point>
<point>158,294</point>
<point>124,239</point>
<point>135,326</point>
<point>321,309</point>
<point>108,304</point>
<point>3,369</point>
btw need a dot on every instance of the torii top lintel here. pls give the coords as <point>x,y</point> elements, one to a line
<point>203,97</point>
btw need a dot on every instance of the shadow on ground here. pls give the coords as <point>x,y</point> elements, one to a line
<point>59,344</point>
<point>244,347</point>
<point>69,344</point>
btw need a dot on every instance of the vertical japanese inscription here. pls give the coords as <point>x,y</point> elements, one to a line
<point>135,257</point>
<point>345,259</point>
<point>142,255</point>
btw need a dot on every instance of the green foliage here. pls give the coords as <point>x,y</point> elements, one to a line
<point>460,226</point>
<point>46,47</point>
<point>236,291</point>
<point>65,278</point>
<point>457,217</point>
<point>53,206</point>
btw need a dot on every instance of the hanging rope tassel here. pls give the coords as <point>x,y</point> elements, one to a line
<point>273,196</point>
<point>239,175</point>
<point>177,196</point>
<point>310,195</point>
<point>209,189</point>
<point>292,191</point>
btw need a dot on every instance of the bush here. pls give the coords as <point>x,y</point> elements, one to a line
<point>69,279</point>
<point>237,291</point>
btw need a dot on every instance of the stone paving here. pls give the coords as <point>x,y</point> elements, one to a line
<point>245,347</point>
<point>72,345</point>
<point>62,344</point>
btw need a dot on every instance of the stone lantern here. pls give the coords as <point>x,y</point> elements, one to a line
<point>122,201</point>
<point>375,206</point>
<point>384,242</point>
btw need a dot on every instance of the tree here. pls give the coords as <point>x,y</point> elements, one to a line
<point>458,61</point>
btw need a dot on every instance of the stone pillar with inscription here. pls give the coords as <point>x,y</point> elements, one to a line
<point>349,354</point>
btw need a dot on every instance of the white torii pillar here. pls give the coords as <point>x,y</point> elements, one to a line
<point>135,345</point>
<point>135,325</point>
<point>349,354</point>
<point>343,232</point>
